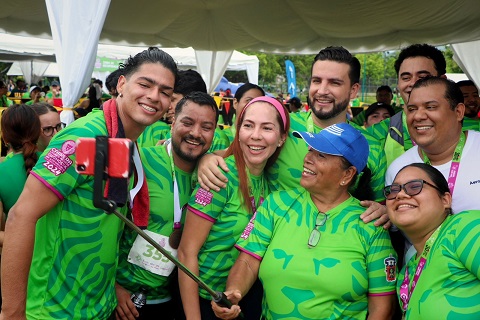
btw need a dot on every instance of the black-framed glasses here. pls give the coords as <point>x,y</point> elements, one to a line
<point>412,188</point>
<point>316,234</point>
<point>48,131</point>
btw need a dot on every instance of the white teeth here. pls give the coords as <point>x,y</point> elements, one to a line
<point>308,171</point>
<point>405,206</point>
<point>193,142</point>
<point>256,148</point>
<point>147,108</point>
<point>423,128</point>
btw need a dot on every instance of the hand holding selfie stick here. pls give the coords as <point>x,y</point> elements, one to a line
<point>110,206</point>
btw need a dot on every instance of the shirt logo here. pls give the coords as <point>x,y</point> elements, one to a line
<point>390,268</point>
<point>203,197</point>
<point>57,162</point>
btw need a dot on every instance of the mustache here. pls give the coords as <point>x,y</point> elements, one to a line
<point>192,138</point>
<point>323,96</point>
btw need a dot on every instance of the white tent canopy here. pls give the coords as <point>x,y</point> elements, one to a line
<point>28,49</point>
<point>283,26</point>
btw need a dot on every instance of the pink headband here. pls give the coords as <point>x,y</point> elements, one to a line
<point>273,102</point>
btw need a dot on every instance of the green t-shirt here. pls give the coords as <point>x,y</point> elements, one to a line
<point>13,179</point>
<point>329,281</point>
<point>72,274</point>
<point>229,217</point>
<point>158,171</point>
<point>449,285</point>
<point>162,131</point>
<point>286,172</point>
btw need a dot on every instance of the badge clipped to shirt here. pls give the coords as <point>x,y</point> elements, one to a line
<point>147,257</point>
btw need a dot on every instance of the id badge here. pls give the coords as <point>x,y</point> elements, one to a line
<point>144,255</point>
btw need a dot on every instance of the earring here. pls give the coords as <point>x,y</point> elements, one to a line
<point>120,95</point>
<point>342,183</point>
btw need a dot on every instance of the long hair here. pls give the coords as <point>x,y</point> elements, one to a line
<point>21,130</point>
<point>236,150</point>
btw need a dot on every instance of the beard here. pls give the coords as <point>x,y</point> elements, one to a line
<point>188,157</point>
<point>337,109</point>
<point>471,111</point>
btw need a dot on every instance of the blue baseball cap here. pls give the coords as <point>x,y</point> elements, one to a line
<point>340,139</point>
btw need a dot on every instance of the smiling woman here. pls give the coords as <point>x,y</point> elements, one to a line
<point>443,280</point>
<point>215,220</point>
<point>308,246</point>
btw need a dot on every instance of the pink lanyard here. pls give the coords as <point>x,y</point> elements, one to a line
<point>405,290</point>
<point>457,155</point>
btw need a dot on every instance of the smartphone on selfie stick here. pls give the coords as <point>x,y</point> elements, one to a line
<point>105,157</point>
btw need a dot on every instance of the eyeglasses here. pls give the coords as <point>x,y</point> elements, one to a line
<point>48,131</point>
<point>412,188</point>
<point>316,234</point>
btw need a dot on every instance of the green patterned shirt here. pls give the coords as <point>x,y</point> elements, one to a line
<point>226,211</point>
<point>449,285</point>
<point>331,280</point>
<point>72,274</point>
<point>158,171</point>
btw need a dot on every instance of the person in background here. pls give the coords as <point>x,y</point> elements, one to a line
<point>4,101</point>
<point>384,95</point>
<point>20,128</point>
<point>58,245</point>
<point>111,83</point>
<point>35,95</point>
<point>215,220</point>
<point>50,123</point>
<point>295,105</point>
<point>243,96</point>
<point>314,255</point>
<point>377,112</point>
<point>170,187</point>
<point>11,85</point>
<point>55,92</point>
<point>19,89</point>
<point>470,98</point>
<point>442,281</point>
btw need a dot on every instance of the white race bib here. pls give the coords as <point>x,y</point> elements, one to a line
<point>144,255</point>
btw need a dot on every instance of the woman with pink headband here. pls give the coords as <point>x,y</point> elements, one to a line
<point>216,219</point>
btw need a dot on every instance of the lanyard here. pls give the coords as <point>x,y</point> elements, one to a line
<point>177,209</point>
<point>252,197</point>
<point>139,172</point>
<point>457,155</point>
<point>310,122</point>
<point>406,290</point>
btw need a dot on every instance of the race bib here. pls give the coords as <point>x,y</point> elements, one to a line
<point>144,255</point>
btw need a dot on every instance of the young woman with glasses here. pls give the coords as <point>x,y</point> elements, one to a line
<point>50,123</point>
<point>442,281</point>
<point>314,255</point>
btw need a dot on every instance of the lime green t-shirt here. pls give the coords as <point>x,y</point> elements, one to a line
<point>226,211</point>
<point>14,175</point>
<point>285,173</point>
<point>449,285</point>
<point>158,172</point>
<point>331,280</point>
<point>72,274</point>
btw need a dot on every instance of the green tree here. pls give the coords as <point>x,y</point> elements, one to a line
<point>452,66</point>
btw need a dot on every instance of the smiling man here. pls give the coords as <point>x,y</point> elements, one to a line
<point>434,116</point>
<point>170,185</point>
<point>470,97</point>
<point>55,239</point>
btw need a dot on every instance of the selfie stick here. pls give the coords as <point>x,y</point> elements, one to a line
<point>110,206</point>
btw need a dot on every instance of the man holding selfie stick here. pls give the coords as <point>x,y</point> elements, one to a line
<point>55,239</point>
